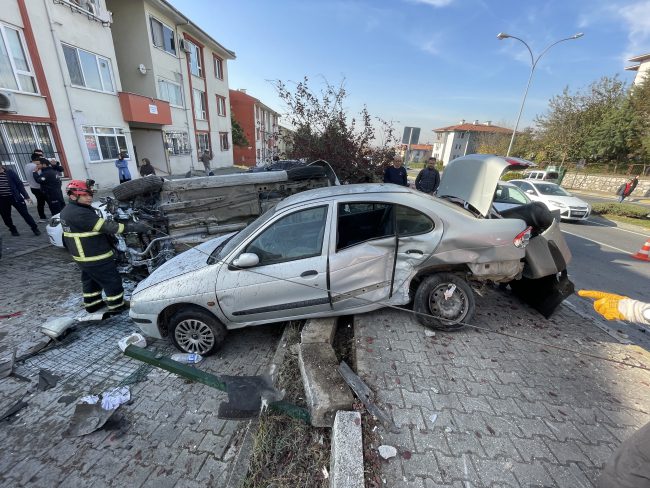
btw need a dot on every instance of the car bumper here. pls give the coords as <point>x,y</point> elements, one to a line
<point>148,323</point>
<point>575,213</point>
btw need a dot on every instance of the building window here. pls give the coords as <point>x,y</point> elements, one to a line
<point>221,106</point>
<point>18,140</point>
<point>104,142</point>
<point>177,143</point>
<point>218,67</point>
<point>87,70</point>
<point>223,139</point>
<point>257,134</point>
<point>199,104</point>
<point>202,142</point>
<point>195,59</point>
<point>162,36</point>
<point>170,92</point>
<point>15,67</point>
<point>259,154</point>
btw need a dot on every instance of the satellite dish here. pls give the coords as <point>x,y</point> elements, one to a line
<point>142,69</point>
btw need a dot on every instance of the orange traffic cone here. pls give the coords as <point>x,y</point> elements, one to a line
<point>643,253</point>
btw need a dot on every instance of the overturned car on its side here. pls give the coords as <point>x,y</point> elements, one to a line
<point>355,248</point>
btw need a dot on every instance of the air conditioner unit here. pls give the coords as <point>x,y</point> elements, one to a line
<point>184,46</point>
<point>7,102</point>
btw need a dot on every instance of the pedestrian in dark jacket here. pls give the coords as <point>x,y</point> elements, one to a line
<point>428,179</point>
<point>13,194</point>
<point>50,183</point>
<point>146,169</point>
<point>396,173</point>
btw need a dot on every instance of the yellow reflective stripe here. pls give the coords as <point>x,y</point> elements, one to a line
<point>98,225</point>
<point>111,307</point>
<point>120,228</point>
<point>93,303</point>
<point>74,235</point>
<point>115,297</point>
<point>93,258</point>
<point>94,294</point>
<point>80,249</point>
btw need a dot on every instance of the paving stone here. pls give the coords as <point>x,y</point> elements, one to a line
<point>565,430</point>
<point>566,451</point>
<point>452,469</point>
<point>532,474</point>
<point>533,448</point>
<point>499,447</point>
<point>464,443</point>
<point>499,471</point>
<point>162,477</point>
<point>430,439</point>
<point>214,444</point>
<point>421,465</point>
<point>405,417</point>
<point>569,476</point>
<point>598,454</point>
<point>531,427</point>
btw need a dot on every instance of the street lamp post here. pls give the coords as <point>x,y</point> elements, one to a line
<point>533,61</point>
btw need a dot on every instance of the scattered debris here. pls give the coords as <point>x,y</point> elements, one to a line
<point>15,408</point>
<point>135,339</point>
<point>55,328</point>
<point>11,315</point>
<point>326,475</point>
<point>32,346</point>
<point>429,333</point>
<point>364,394</point>
<point>46,380</point>
<point>7,364</point>
<point>387,452</point>
<point>112,399</point>
<point>89,399</point>
<point>87,418</point>
<point>433,417</point>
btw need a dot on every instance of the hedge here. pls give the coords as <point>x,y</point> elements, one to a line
<point>622,209</point>
<point>512,175</point>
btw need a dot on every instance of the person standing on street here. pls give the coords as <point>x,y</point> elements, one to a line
<point>428,178</point>
<point>13,194</point>
<point>50,184</point>
<point>205,158</point>
<point>146,168</point>
<point>35,188</point>
<point>396,173</point>
<point>85,234</point>
<point>627,188</point>
<point>122,166</point>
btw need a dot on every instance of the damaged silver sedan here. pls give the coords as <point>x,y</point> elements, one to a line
<point>341,250</point>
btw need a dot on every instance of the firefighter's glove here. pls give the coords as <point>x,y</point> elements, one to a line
<point>607,304</point>
<point>139,227</point>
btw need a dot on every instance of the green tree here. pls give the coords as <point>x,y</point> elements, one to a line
<point>323,130</point>
<point>238,136</point>
<point>640,105</point>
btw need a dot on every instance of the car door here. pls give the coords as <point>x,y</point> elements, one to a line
<point>290,280</point>
<point>418,236</point>
<point>363,247</point>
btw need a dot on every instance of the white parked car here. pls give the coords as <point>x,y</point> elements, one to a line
<point>55,231</point>
<point>351,249</point>
<point>508,196</point>
<point>555,198</point>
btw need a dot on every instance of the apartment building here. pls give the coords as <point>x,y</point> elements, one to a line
<point>416,153</point>
<point>59,85</point>
<point>165,57</point>
<point>260,125</point>
<point>458,140</point>
<point>642,67</point>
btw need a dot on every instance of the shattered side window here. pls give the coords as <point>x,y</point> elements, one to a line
<point>363,221</point>
<point>411,222</point>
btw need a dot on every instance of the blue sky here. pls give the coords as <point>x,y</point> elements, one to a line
<point>426,63</point>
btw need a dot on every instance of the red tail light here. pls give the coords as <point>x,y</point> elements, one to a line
<point>521,240</point>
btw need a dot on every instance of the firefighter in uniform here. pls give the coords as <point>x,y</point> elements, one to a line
<point>85,236</point>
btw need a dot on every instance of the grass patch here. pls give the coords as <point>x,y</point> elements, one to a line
<point>627,213</point>
<point>287,453</point>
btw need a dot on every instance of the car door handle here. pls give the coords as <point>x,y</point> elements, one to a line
<point>414,251</point>
<point>311,272</point>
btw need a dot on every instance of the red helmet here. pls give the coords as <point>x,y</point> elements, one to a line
<point>80,187</point>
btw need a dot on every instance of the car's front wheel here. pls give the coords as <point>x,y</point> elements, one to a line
<point>196,330</point>
<point>444,301</point>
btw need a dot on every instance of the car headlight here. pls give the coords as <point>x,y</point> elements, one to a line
<point>557,204</point>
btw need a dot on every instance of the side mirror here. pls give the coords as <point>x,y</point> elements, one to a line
<point>530,192</point>
<point>246,260</point>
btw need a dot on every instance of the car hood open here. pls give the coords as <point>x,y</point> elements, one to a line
<point>474,178</point>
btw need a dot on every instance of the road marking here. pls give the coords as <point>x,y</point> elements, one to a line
<point>616,228</point>
<point>597,242</point>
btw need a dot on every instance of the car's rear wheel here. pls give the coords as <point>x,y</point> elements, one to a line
<point>132,188</point>
<point>444,301</point>
<point>196,330</point>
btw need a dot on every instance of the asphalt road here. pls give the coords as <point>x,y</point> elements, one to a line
<point>602,260</point>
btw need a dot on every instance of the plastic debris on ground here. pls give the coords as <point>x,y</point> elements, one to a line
<point>387,452</point>
<point>134,339</point>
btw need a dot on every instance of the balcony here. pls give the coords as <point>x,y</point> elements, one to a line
<point>144,110</point>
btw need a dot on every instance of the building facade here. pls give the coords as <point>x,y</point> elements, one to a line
<point>642,68</point>
<point>260,125</point>
<point>455,141</point>
<point>416,153</point>
<point>164,57</point>
<point>59,87</point>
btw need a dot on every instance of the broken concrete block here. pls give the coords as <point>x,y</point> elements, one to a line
<point>346,463</point>
<point>7,364</point>
<point>387,452</point>
<point>325,390</point>
<point>318,331</point>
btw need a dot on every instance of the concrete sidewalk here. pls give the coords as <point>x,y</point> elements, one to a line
<point>480,409</point>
